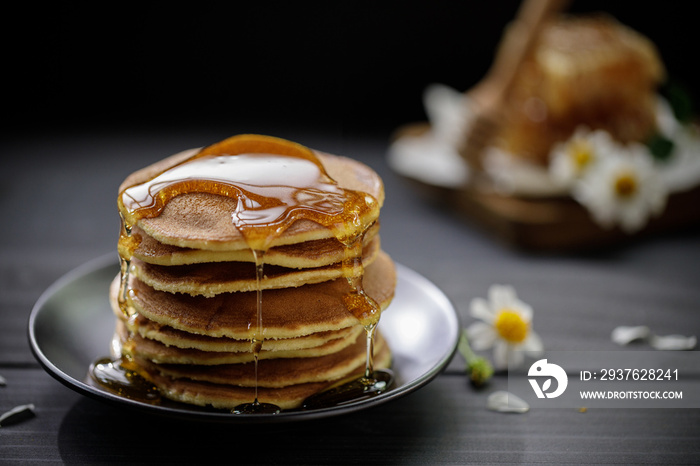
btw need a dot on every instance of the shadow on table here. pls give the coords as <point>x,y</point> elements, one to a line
<point>398,432</point>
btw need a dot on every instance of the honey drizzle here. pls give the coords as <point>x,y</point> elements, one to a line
<point>357,301</point>
<point>258,338</point>
<point>122,375</point>
<point>256,343</point>
<point>127,244</point>
<point>265,209</point>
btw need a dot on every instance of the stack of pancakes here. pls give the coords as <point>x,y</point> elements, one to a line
<point>187,300</point>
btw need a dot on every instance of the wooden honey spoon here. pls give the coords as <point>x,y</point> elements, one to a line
<point>489,98</point>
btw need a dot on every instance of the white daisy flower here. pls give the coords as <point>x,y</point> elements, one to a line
<point>506,327</point>
<point>571,159</point>
<point>623,188</point>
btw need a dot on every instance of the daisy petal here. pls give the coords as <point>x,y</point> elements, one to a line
<point>532,345</point>
<point>673,342</point>
<point>624,335</point>
<point>500,355</point>
<point>525,310</point>
<point>515,358</point>
<point>505,402</point>
<point>502,296</point>
<point>480,309</point>
<point>481,336</point>
<point>634,217</point>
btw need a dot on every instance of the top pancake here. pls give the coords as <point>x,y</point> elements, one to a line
<point>203,220</point>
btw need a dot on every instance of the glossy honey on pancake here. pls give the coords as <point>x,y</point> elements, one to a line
<point>203,220</point>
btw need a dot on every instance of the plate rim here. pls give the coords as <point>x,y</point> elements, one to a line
<point>110,260</point>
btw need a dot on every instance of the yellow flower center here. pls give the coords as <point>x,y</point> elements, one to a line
<point>511,326</point>
<point>581,154</point>
<point>626,185</point>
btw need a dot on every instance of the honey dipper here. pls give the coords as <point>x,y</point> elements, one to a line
<point>490,96</point>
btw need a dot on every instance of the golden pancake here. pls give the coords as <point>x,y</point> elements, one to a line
<point>203,221</point>
<point>230,396</point>
<point>287,312</point>
<point>136,346</point>
<point>179,339</point>
<point>210,279</point>
<point>302,255</point>
<point>274,373</point>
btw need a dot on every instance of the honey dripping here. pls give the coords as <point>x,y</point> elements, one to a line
<point>274,183</point>
<point>256,343</point>
<point>122,375</point>
<point>367,311</point>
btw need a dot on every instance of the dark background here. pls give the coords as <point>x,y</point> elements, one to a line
<point>334,66</point>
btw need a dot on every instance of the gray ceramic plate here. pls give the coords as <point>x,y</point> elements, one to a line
<point>71,326</point>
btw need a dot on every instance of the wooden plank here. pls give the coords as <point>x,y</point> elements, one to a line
<point>443,423</point>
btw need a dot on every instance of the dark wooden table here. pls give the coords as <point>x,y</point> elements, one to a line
<point>57,201</point>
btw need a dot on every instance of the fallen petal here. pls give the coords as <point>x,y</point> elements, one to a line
<point>624,335</point>
<point>505,402</point>
<point>673,342</point>
<point>17,414</point>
